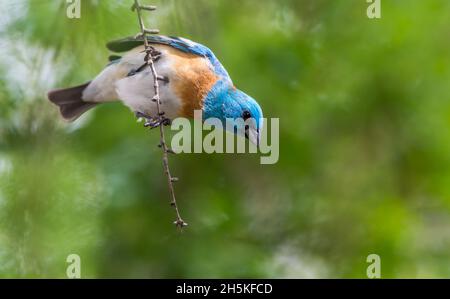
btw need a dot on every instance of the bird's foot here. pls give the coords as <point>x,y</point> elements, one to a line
<point>163,121</point>
<point>154,122</point>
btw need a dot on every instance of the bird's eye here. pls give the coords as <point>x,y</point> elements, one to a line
<point>246,115</point>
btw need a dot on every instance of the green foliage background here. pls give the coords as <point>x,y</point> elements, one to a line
<point>364,147</point>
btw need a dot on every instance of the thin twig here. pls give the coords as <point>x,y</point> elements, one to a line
<point>151,55</point>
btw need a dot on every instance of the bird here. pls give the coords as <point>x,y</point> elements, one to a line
<point>192,78</point>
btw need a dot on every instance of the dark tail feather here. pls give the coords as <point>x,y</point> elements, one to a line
<point>70,102</point>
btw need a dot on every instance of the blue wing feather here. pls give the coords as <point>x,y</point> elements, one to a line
<point>189,46</point>
<point>179,43</point>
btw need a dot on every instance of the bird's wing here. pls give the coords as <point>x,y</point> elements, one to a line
<point>182,44</point>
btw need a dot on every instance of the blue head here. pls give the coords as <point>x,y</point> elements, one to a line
<point>226,102</point>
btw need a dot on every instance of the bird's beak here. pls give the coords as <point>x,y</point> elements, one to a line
<point>252,134</point>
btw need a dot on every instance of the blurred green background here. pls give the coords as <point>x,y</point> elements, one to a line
<point>364,163</point>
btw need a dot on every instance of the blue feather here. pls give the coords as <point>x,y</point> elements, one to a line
<point>225,101</point>
<point>189,46</point>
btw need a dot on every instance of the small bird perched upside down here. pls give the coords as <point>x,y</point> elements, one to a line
<point>191,76</point>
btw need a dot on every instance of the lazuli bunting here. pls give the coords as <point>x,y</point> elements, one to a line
<point>192,78</point>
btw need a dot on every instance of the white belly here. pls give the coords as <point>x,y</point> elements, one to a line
<point>137,91</point>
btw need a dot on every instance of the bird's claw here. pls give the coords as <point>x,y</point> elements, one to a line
<point>154,122</point>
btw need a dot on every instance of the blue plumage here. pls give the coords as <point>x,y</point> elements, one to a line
<point>189,46</point>
<point>223,100</point>
<point>191,82</point>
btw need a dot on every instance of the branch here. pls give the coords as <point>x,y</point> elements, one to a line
<point>151,56</point>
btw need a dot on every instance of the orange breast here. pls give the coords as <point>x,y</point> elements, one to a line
<point>192,80</point>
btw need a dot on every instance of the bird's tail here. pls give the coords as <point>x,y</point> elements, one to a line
<point>70,102</point>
